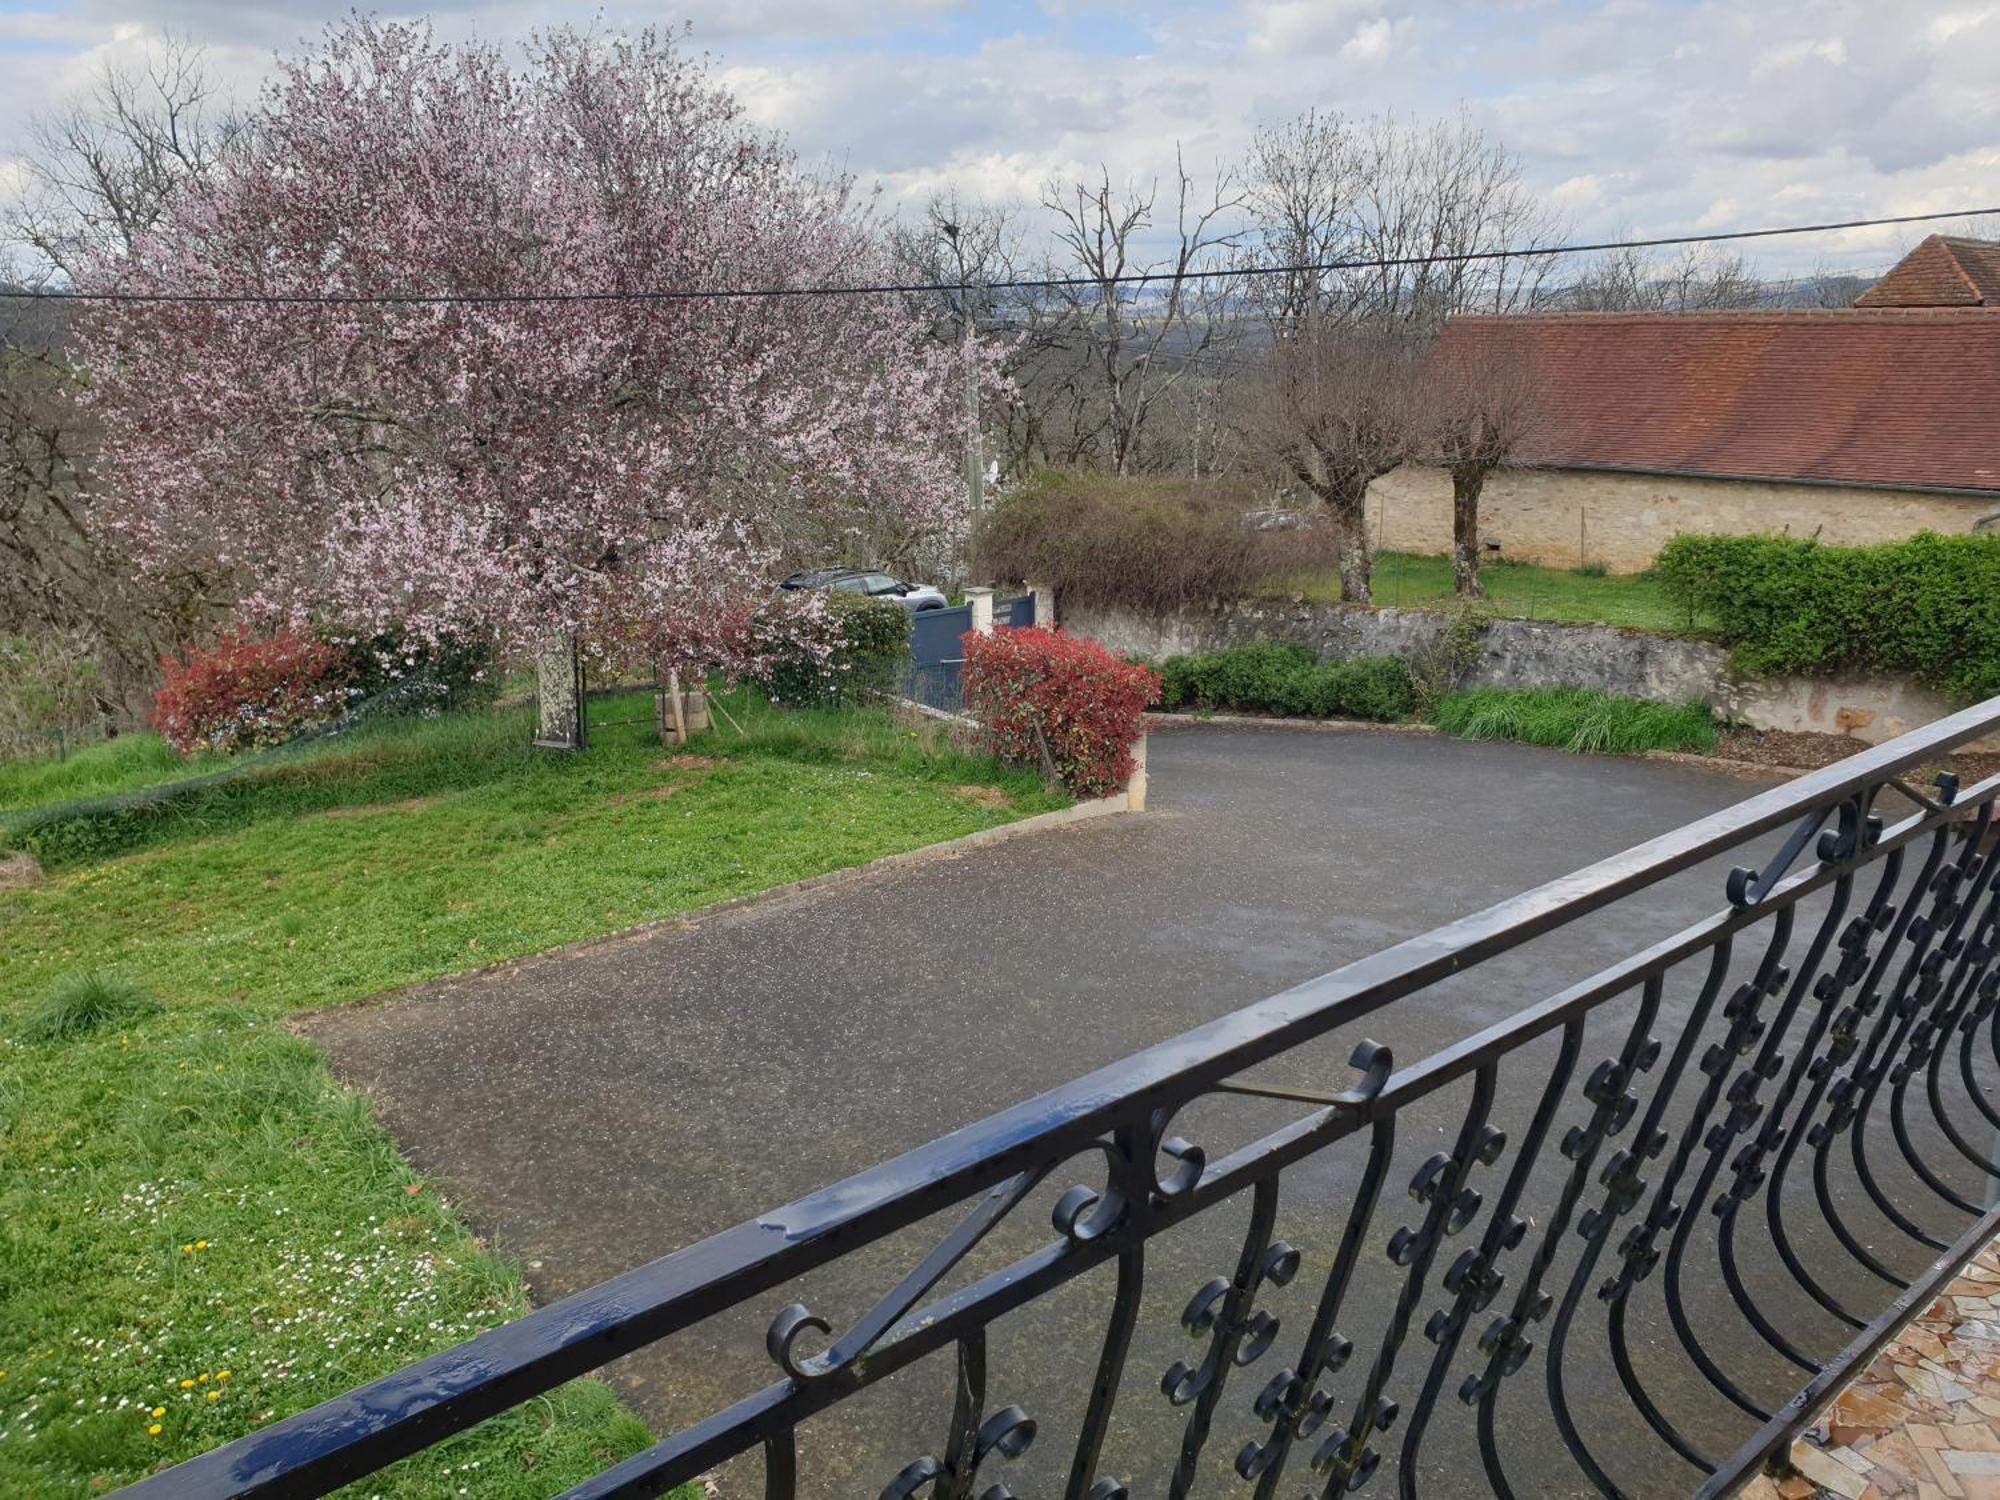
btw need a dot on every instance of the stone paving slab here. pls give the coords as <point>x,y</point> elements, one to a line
<point>1924,1420</point>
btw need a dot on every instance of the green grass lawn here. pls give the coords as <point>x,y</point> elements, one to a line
<point>133,760</point>
<point>1523,590</point>
<point>199,1230</point>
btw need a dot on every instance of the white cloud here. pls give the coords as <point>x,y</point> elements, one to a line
<point>1648,115</point>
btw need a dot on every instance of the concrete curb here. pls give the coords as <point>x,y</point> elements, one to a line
<point>979,838</point>
<point>1156,720</point>
<point>1753,770</point>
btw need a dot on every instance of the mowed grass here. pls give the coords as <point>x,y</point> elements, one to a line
<point>1514,589</point>
<point>200,1231</point>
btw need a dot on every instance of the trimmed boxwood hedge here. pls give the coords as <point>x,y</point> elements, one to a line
<point>1281,678</point>
<point>1928,605</point>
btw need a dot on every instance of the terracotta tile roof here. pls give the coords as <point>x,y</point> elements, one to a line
<point>1890,398</point>
<point>1943,271</point>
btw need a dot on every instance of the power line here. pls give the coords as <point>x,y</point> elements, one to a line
<point>1132,278</point>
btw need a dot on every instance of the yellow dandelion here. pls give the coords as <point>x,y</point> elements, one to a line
<point>203,1377</point>
<point>154,1429</point>
<point>187,1385</point>
<point>215,1395</point>
<point>201,1244</point>
<point>221,1374</point>
<point>188,1248</point>
<point>159,1411</point>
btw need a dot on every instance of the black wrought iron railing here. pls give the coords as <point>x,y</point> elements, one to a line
<point>1656,1212</point>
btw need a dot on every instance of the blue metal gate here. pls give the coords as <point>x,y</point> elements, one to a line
<point>931,676</point>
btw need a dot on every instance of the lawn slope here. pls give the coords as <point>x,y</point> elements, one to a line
<point>199,1230</point>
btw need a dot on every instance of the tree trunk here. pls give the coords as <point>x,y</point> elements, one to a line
<point>1349,513</point>
<point>1465,490</point>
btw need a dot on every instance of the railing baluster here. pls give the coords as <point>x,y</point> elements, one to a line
<point>781,1465</point>
<point>1840,1021</point>
<point>1746,1025</point>
<point>1221,1310</point>
<point>1624,1188</point>
<point>1346,1458</point>
<point>1131,1273</point>
<point>1747,1168</point>
<point>1475,1278</point>
<point>1899,1014</point>
<point>1301,1405</point>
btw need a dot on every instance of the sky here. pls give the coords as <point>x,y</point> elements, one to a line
<point>1637,117</point>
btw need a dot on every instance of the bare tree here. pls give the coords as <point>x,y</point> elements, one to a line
<point>1424,202</point>
<point>1344,407</point>
<point>1136,342</point>
<point>1476,403</point>
<point>1695,279</point>
<point>100,170</point>
<point>978,246</point>
<point>1435,201</point>
<point>99,174</point>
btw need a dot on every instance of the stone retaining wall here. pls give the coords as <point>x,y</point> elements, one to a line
<point>1531,653</point>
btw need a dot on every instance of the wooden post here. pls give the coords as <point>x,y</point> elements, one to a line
<point>675,709</point>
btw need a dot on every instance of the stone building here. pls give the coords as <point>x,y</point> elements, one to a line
<point>1855,425</point>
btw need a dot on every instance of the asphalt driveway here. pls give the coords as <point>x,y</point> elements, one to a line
<point>602,1107</point>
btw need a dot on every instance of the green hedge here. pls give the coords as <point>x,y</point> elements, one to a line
<point>1271,677</point>
<point>1928,605</point>
<point>1579,719</point>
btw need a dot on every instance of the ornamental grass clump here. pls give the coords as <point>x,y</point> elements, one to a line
<point>79,1004</point>
<point>1060,702</point>
<point>1582,720</point>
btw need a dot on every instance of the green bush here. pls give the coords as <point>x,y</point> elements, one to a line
<point>870,640</point>
<point>1928,605</point>
<point>1281,678</point>
<point>1578,719</point>
<point>1376,687</point>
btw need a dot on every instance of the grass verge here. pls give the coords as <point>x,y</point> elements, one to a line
<point>1514,590</point>
<point>1577,719</point>
<point>199,1230</point>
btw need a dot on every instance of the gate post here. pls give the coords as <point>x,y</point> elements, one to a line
<point>980,601</point>
<point>559,694</point>
<point>1045,605</point>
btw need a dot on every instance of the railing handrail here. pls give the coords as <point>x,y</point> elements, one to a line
<point>410,1408</point>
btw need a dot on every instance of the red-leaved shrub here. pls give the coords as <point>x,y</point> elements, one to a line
<point>1036,688</point>
<point>243,692</point>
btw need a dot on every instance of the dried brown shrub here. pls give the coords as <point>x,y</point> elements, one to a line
<point>1143,542</point>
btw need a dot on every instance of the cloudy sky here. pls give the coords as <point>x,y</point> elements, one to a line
<point>1639,116</point>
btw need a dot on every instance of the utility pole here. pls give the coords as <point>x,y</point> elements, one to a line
<point>975,444</point>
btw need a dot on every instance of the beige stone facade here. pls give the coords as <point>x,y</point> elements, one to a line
<point>1564,517</point>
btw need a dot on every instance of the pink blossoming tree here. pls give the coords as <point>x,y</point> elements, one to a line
<point>623,471</point>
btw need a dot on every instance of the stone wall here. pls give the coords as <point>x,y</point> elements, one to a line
<point>1529,653</point>
<point>1564,517</point>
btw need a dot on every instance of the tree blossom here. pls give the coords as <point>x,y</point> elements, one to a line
<point>629,470</point>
